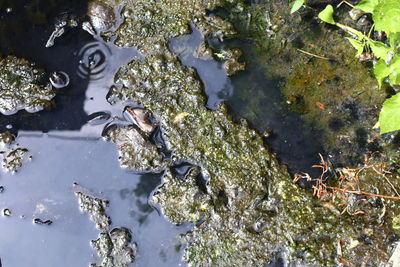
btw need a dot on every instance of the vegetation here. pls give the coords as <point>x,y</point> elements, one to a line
<point>384,49</point>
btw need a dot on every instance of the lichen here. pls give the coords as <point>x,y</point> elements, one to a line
<point>22,87</point>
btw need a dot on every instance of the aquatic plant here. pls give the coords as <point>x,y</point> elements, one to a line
<point>386,18</point>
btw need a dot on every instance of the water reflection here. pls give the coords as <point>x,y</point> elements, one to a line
<point>44,189</point>
<point>217,85</point>
<point>72,151</point>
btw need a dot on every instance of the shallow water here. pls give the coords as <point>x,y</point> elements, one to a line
<point>73,152</point>
<point>44,189</point>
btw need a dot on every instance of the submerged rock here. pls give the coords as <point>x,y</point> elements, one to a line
<point>22,87</point>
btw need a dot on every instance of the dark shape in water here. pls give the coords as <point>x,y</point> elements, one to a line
<point>59,79</point>
<point>202,183</point>
<point>98,118</point>
<point>41,222</point>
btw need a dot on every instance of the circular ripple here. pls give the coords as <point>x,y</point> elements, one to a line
<point>93,61</point>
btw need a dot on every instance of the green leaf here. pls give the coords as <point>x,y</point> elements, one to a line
<point>367,5</point>
<point>395,78</point>
<point>394,39</point>
<point>386,16</point>
<point>382,70</point>
<point>389,118</point>
<point>358,45</point>
<point>379,49</point>
<point>326,15</point>
<point>297,5</point>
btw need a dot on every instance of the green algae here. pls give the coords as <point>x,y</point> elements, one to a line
<point>21,87</point>
<point>250,213</point>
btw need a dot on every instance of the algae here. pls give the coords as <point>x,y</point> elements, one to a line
<point>13,155</point>
<point>115,247</point>
<point>246,209</point>
<point>22,86</point>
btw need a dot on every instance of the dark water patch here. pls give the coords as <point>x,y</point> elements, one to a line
<point>44,189</point>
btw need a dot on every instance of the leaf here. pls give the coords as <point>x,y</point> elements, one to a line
<point>389,118</point>
<point>367,5</point>
<point>382,70</point>
<point>326,15</point>
<point>379,49</point>
<point>386,16</point>
<point>394,39</point>
<point>395,77</point>
<point>358,45</point>
<point>297,5</point>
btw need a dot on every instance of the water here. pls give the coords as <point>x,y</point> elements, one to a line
<point>44,189</point>
<point>66,149</point>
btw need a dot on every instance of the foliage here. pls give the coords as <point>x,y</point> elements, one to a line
<point>297,4</point>
<point>386,18</point>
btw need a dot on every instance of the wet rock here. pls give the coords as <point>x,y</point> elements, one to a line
<point>102,16</point>
<point>21,87</point>
<point>96,208</point>
<point>136,152</point>
<point>1,189</point>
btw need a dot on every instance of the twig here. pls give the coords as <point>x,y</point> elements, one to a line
<point>313,55</point>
